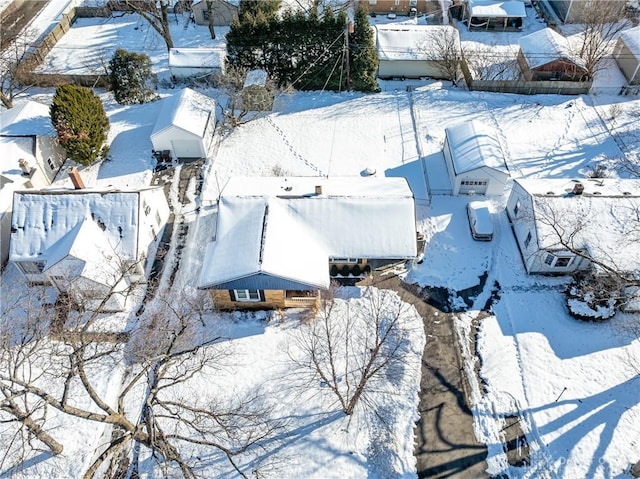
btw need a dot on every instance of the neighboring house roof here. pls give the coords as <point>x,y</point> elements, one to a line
<point>282,228</point>
<point>490,9</point>
<point>603,219</point>
<point>234,3</point>
<point>196,57</point>
<point>545,46</point>
<point>27,118</point>
<point>46,224</point>
<point>474,145</point>
<point>255,77</point>
<point>409,42</point>
<point>631,38</point>
<point>187,110</point>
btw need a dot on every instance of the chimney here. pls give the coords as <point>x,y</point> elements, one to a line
<point>24,166</point>
<point>578,188</point>
<point>318,189</point>
<point>76,179</point>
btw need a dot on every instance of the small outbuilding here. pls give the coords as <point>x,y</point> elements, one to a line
<point>405,50</point>
<point>627,55</point>
<point>184,129</point>
<point>546,55</point>
<point>506,15</point>
<point>223,12</point>
<point>475,160</point>
<point>196,62</point>
<point>256,94</point>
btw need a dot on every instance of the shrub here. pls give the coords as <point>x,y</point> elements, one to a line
<point>334,270</point>
<point>345,270</point>
<point>80,121</point>
<point>593,297</point>
<point>356,270</point>
<point>131,76</point>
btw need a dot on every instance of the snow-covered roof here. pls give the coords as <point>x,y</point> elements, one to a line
<point>281,227</point>
<point>409,42</point>
<point>255,77</point>
<point>489,9</point>
<point>196,57</point>
<point>475,145</point>
<point>46,223</point>
<point>631,38</point>
<point>187,110</point>
<point>544,46</point>
<point>603,218</point>
<point>27,118</point>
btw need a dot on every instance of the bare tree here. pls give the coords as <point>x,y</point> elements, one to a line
<point>487,63</point>
<point>442,46</point>
<point>156,13</point>
<point>235,110</point>
<point>566,229</point>
<point>601,22</point>
<point>349,350</point>
<point>212,30</point>
<point>46,376</point>
<point>15,66</point>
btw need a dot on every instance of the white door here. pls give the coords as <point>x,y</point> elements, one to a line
<point>473,187</point>
<point>186,148</point>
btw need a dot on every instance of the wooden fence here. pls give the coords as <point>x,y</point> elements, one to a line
<point>524,87</point>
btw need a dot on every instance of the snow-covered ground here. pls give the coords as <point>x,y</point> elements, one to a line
<point>574,385</point>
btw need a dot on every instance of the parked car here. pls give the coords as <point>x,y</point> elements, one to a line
<point>480,220</point>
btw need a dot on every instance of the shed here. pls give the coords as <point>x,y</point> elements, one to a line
<point>223,12</point>
<point>492,15</point>
<point>627,54</point>
<point>546,55</point>
<point>196,62</point>
<point>475,160</point>
<point>403,50</point>
<point>256,95</point>
<point>185,125</point>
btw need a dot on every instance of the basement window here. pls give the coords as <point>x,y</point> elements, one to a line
<point>562,262</point>
<point>527,240</point>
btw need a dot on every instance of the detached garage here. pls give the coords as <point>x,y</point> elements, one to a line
<point>185,125</point>
<point>475,161</point>
<point>407,50</point>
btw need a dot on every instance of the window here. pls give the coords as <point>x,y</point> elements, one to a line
<point>549,259</point>
<point>205,14</point>
<point>246,295</point>
<point>397,3</point>
<point>562,262</point>
<point>345,260</point>
<point>147,209</point>
<point>473,183</point>
<point>413,3</point>
<point>373,2</point>
<point>527,240</point>
<point>31,267</point>
<point>158,219</point>
<point>51,163</point>
<point>516,208</point>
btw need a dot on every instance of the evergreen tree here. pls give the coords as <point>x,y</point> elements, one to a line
<point>79,118</point>
<point>269,8</point>
<point>363,60</point>
<point>130,74</point>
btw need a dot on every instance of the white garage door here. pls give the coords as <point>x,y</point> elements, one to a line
<point>186,148</point>
<point>473,187</point>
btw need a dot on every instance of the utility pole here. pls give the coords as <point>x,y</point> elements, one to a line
<point>347,30</point>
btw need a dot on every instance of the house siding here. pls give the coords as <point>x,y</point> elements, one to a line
<point>409,69</point>
<point>273,299</point>
<point>223,13</point>
<point>557,70</point>
<point>627,62</point>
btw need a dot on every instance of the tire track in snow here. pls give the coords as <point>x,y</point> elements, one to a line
<point>293,151</point>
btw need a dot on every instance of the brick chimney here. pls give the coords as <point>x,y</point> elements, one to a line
<point>318,189</point>
<point>76,179</point>
<point>24,166</point>
<point>578,188</point>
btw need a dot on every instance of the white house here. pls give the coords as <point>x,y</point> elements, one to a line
<point>281,240</point>
<point>90,244</point>
<point>475,160</point>
<point>405,50</point>
<point>196,62</point>
<point>185,125</point>
<point>597,216</point>
<point>30,157</point>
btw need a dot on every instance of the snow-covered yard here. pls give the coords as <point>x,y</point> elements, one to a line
<point>574,385</point>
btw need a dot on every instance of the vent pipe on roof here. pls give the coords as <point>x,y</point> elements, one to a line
<point>578,189</point>
<point>76,179</point>
<point>318,189</point>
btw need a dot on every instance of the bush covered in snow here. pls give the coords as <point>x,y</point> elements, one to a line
<point>593,297</point>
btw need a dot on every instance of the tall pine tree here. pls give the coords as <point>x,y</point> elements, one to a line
<point>363,59</point>
<point>79,118</point>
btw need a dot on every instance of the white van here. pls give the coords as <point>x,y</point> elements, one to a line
<point>480,220</point>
